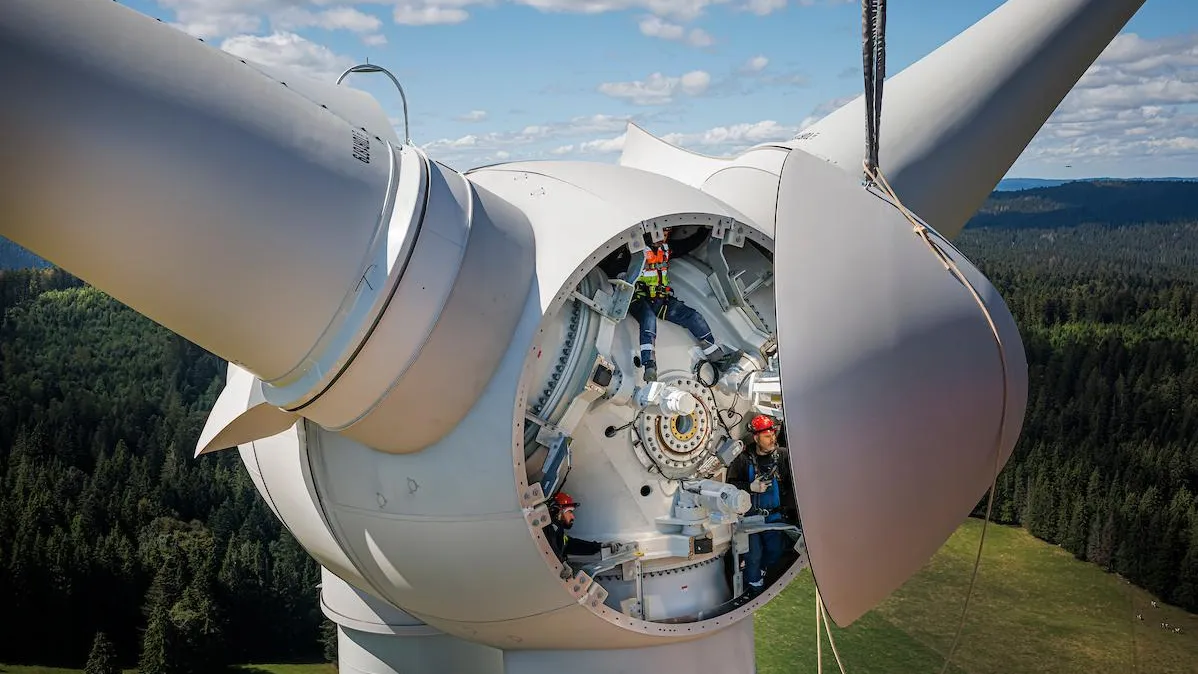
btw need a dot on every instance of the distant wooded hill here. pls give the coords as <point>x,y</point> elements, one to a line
<point>1079,203</point>
<point>1008,184</point>
<point>1018,202</point>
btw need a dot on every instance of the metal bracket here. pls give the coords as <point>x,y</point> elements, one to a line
<point>579,585</point>
<point>611,562</point>
<point>655,229</point>
<point>537,516</point>
<point>756,524</point>
<point>640,589</point>
<point>765,393</point>
<point>547,427</point>
<point>559,457</point>
<point>732,233</point>
<point>612,306</point>
<point>532,496</point>
<point>578,407</point>
<point>593,304</point>
<point>770,348</point>
<point>764,280</point>
<point>595,596</point>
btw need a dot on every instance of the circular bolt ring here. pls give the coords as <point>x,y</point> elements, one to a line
<point>663,443</point>
<point>693,423</point>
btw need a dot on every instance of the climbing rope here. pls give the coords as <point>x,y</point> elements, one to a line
<point>921,230</point>
<point>873,19</point>
<point>821,615</point>
<point>819,638</point>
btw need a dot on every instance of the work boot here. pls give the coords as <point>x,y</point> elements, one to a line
<point>724,358</point>
<point>650,372</point>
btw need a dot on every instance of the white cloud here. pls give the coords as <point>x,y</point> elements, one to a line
<point>376,40</point>
<point>214,18</point>
<point>655,26</point>
<point>337,18</point>
<point>428,13</point>
<point>473,116</point>
<point>731,139</point>
<point>210,19</point>
<point>597,146</point>
<point>755,64</point>
<point>592,147</point>
<point>763,7</point>
<point>658,89</point>
<point>475,149</point>
<point>288,50</point>
<point>1139,101</point>
<point>679,10</point>
<point>720,140</point>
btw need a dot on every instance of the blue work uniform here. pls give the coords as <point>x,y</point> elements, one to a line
<point>654,300</point>
<point>765,547</point>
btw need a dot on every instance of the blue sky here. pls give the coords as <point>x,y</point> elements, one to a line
<point>497,80</point>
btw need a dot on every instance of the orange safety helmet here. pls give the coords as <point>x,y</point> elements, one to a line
<point>564,500</point>
<point>762,423</point>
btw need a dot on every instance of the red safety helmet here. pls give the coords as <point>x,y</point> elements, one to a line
<point>762,423</point>
<point>564,500</point>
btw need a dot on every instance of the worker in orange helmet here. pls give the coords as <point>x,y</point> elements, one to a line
<point>653,299</point>
<point>763,470</point>
<point>561,518</point>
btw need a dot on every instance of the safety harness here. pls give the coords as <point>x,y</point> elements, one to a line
<point>654,281</point>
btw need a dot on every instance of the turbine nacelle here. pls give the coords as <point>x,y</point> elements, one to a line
<point>419,358</point>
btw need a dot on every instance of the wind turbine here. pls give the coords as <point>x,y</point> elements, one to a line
<point>418,358</point>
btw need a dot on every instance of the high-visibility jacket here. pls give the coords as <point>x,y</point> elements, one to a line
<point>655,277</point>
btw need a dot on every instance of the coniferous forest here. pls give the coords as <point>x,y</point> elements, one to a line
<point>119,544</point>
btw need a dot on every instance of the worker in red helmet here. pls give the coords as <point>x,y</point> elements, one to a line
<point>763,470</point>
<point>561,518</point>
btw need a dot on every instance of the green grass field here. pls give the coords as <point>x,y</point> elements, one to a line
<point>243,669</point>
<point>1035,609</point>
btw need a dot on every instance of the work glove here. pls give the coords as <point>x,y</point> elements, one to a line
<point>759,486</point>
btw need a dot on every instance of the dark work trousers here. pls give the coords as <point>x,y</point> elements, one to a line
<point>765,550</point>
<point>646,311</point>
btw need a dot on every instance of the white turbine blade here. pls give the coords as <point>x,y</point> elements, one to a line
<point>642,150</point>
<point>241,414</point>
<point>954,122</point>
<point>217,201</point>
<point>891,381</point>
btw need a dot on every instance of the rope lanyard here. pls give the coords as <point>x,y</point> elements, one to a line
<point>873,53</point>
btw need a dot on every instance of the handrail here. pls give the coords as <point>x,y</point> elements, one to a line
<point>371,68</point>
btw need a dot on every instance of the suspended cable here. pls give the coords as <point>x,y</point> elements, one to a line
<point>867,71</point>
<point>921,230</point>
<point>821,615</point>
<point>873,53</point>
<point>873,67</point>
<point>819,637</point>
